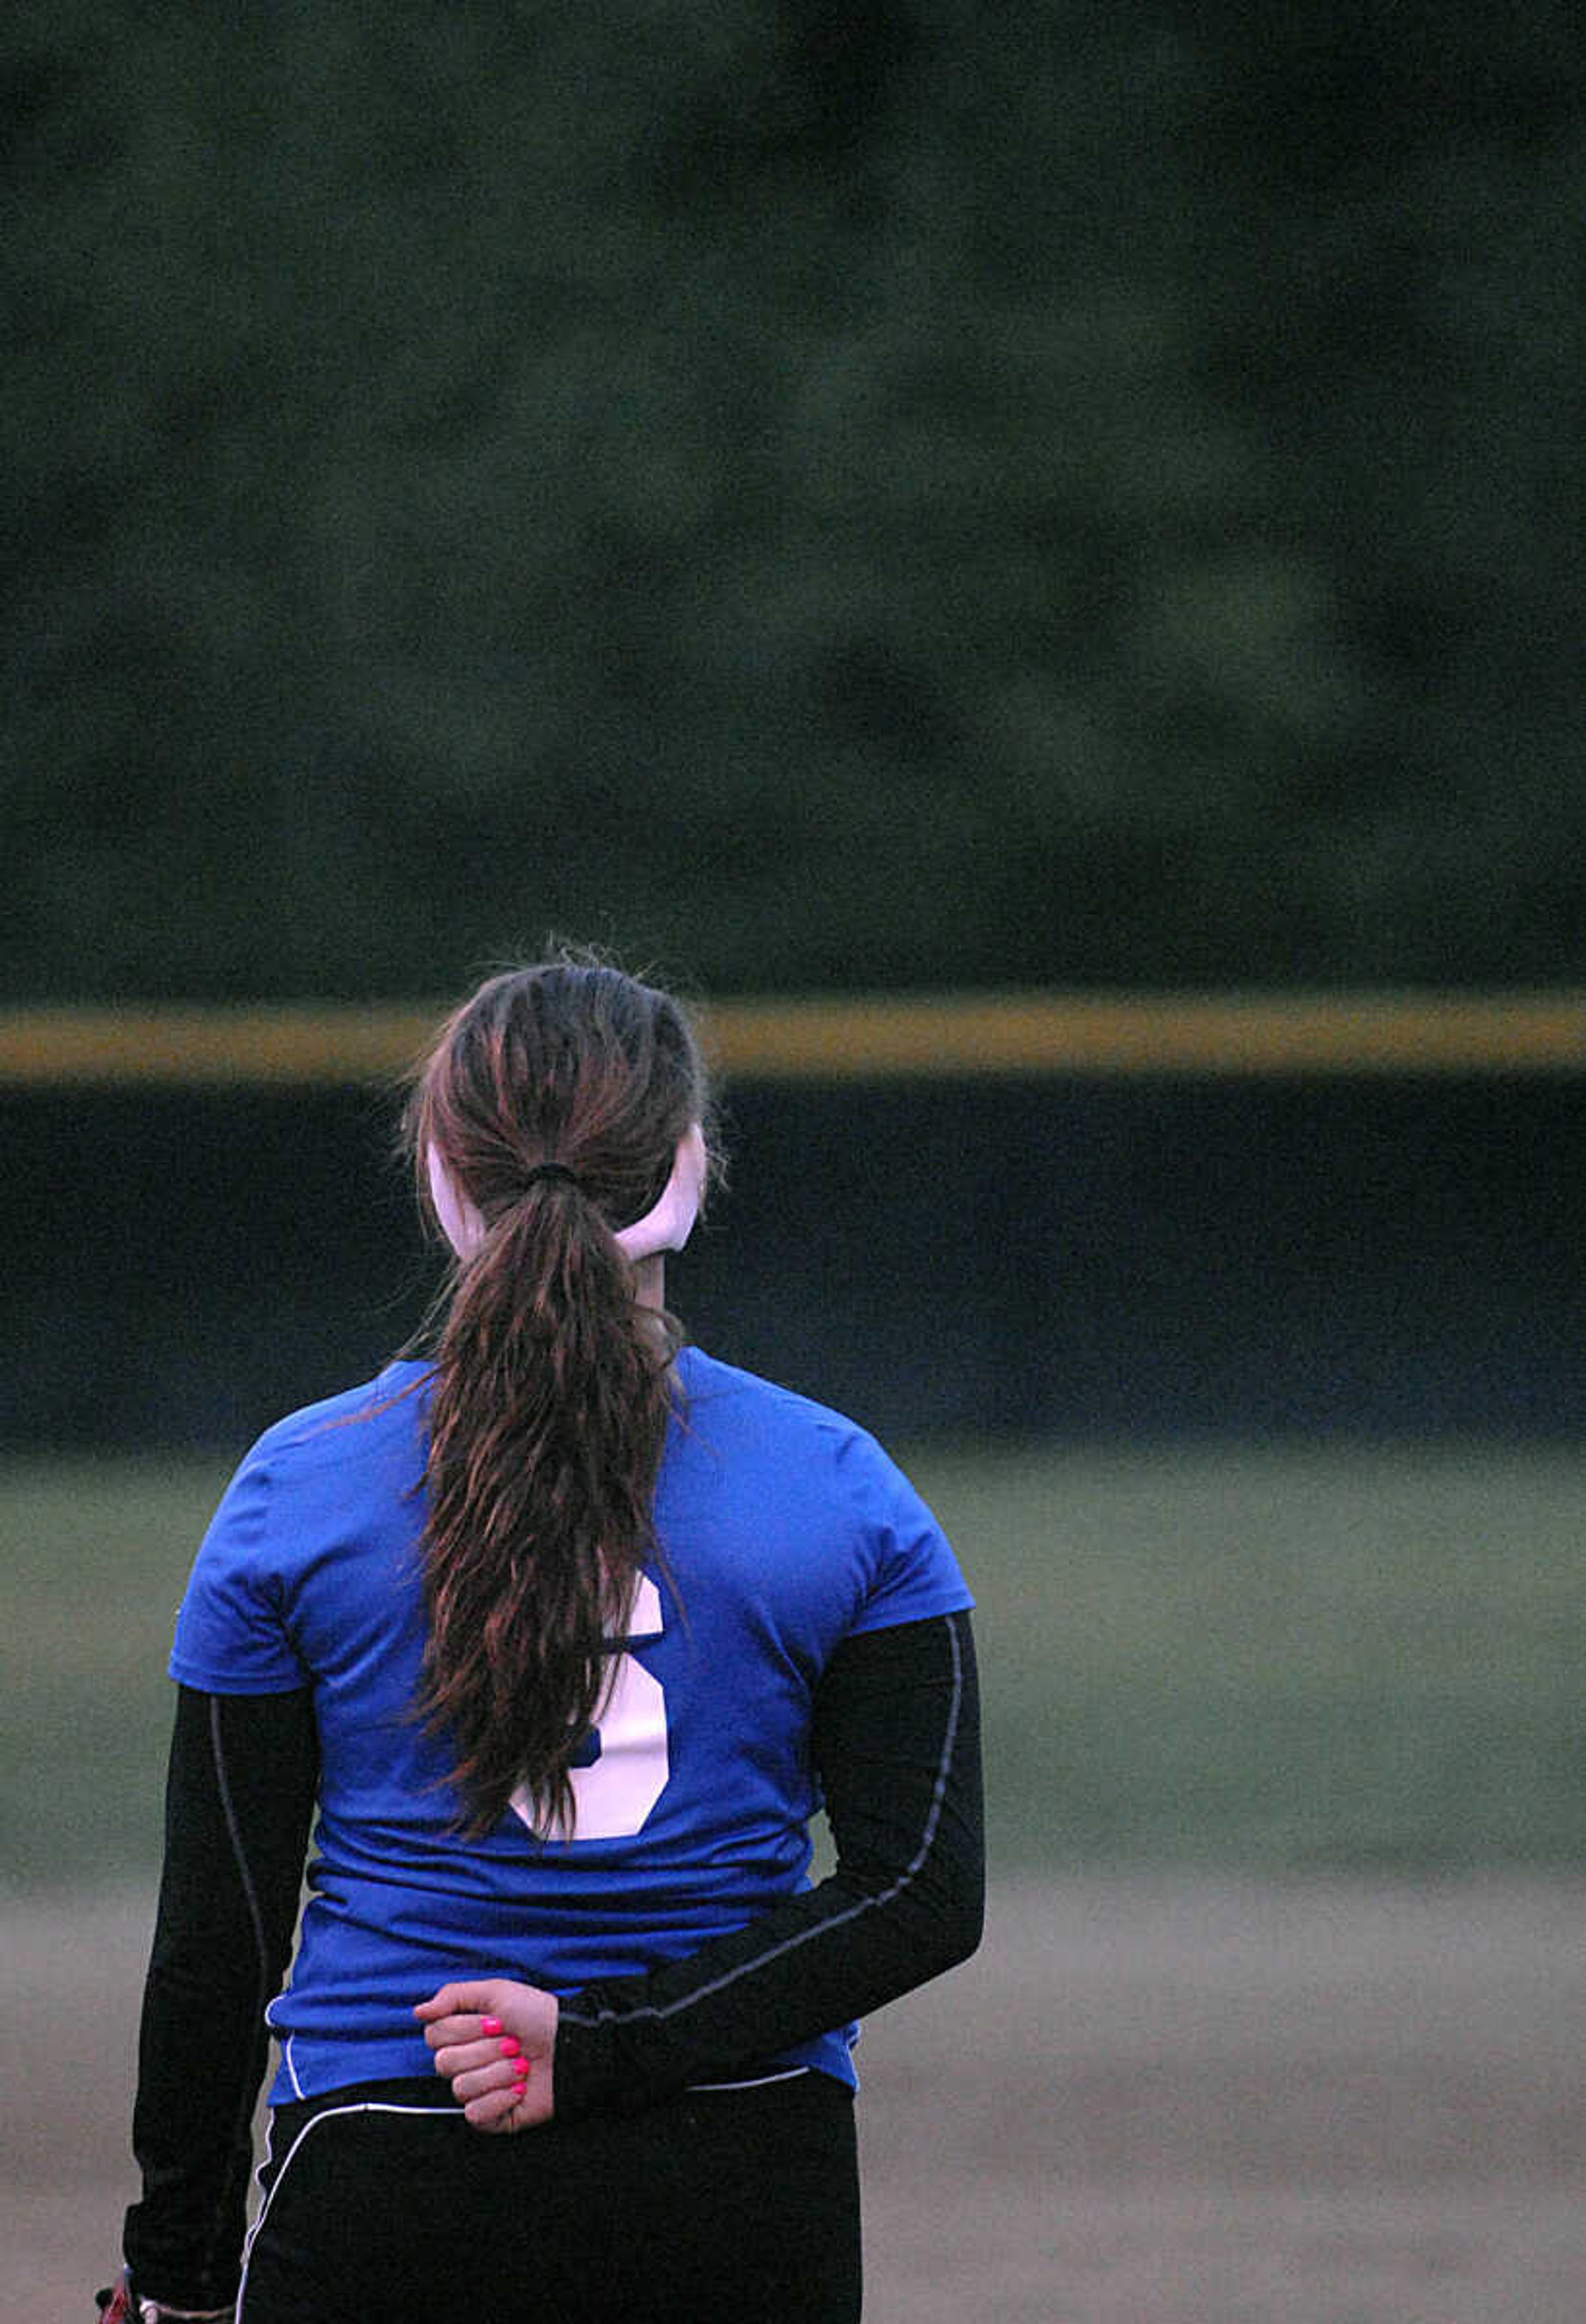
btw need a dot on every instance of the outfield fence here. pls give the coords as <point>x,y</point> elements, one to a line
<point>1075,1216</point>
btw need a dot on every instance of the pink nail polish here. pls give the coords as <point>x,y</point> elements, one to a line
<point>520,2073</point>
<point>490,2025</point>
<point>511,2048</point>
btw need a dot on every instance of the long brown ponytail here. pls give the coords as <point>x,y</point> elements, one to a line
<point>550,1397</point>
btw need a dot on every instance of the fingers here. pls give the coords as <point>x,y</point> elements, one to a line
<point>472,2059</point>
<point>455,2032</point>
<point>460,2013</point>
<point>495,2077</point>
<point>503,2094</point>
<point>479,1998</point>
<point>455,2057</point>
<point>477,2058</point>
<point>478,2033</point>
<point>491,2111</point>
<point>502,2112</point>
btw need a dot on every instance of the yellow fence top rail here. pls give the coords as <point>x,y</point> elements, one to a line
<point>831,1037</point>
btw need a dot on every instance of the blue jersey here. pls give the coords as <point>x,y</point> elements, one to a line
<point>784,1530</point>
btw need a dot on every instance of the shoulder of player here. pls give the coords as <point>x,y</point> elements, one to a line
<point>338,1431</point>
<point>772,1414</point>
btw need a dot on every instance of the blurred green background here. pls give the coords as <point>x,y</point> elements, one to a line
<point>823,498</point>
<point>869,496</point>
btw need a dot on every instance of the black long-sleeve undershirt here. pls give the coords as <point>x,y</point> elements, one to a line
<point>896,1744</point>
<point>239,1800</point>
<point>897,1748</point>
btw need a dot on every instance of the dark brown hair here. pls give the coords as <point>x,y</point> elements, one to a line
<point>551,1390</point>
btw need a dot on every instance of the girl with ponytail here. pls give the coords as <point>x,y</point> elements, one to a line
<point>557,1131</point>
<point>559,1635</point>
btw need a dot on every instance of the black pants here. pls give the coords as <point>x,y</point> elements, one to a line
<point>721,2207</point>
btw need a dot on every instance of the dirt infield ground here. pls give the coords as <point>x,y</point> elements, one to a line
<point>1145,2102</point>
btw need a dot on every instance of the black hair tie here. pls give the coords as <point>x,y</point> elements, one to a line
<point>544,1173</point>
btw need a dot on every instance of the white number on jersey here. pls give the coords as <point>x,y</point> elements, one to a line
<point>627,1754</point>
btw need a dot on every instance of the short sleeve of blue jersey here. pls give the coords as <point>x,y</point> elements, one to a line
<point>912,1573</point>
<point>231,1637</point>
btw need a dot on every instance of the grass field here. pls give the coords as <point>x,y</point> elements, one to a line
<point>1258,1658</point>
<point>1281,2011</point>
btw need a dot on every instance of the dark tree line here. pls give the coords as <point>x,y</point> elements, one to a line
<point>887,495</point>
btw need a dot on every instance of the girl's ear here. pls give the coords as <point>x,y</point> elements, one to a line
<point>460,1223</point>
<point>669,1224</point>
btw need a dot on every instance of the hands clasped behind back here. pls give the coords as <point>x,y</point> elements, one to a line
<point>494,2040</point>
